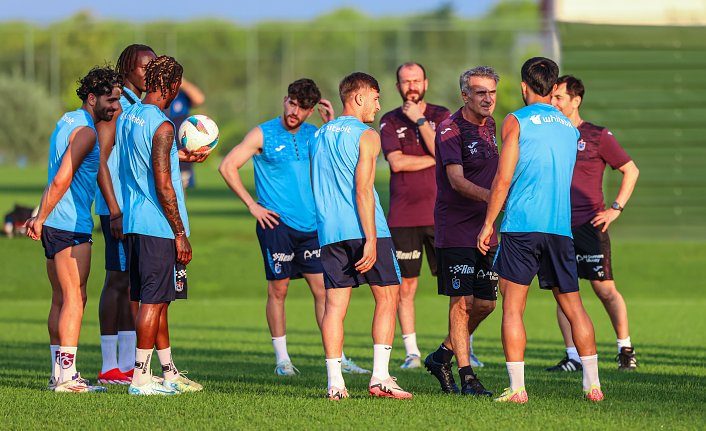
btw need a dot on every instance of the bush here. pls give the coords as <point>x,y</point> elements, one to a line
<point>29,115</point>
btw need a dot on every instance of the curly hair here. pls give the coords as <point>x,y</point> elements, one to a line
<point>128,58</point>
<point>99,81</point>
<point>305,92</point>
<point>162,73</point>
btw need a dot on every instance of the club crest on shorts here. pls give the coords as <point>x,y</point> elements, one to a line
<point>456,283</point>
<point>278,268</point>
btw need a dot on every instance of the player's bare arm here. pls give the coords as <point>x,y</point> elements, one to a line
<point>630,174</point>
<point>414,112</point>
<point>462,186</point>
<point>81,143</point>
<point>365,198</point>
<point>229,170</point>
<point>161,148</point>
<point>326,111</point>
<point>503,178</point>
<point>106,142</point>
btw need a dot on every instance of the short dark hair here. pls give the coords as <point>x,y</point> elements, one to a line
<point>305,92</point>
<point>162,73</point>
<point>409,64</point>
<point>128,58</point>
<point>574,86</point>
<point>540,74</point>
<point>354,82</point>
<point>99,81</point>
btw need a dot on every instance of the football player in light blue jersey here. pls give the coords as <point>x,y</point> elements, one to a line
<point>155,223</point>
<point>356,247</point>
<point>64,223</point>
<point>117,322</point>
<point>534,174</point>
<point>285,214</point>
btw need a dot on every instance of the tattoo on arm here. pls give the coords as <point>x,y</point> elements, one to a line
<point>161,164</point>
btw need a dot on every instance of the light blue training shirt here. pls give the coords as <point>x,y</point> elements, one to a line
<point>73,212</point>
<point>335,150</point>
<point>539,199</point>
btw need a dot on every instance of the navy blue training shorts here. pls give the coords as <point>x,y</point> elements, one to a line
<point>592,252</point>
<point>289,253</point>
<point>522,255</point>
<point>152,267</point>
<point>54,240</point>
<point>115,256</point>
<point>339,258</point>
<point>465,271</point>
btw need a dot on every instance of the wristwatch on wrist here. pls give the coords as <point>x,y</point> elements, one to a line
<point>421,121</point>
<point>616,206</point>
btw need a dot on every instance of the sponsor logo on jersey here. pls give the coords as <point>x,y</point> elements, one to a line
<point>400,132</point>
<point>472,147</point>
<point>280,148</point>
<point>448,129</point>
<point>535,119</point>
<point>337,129</point>
<point>133,119</point>
<point>67,119</point>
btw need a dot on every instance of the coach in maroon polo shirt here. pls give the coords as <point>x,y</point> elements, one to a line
<point>466,163</point>
<point>597,147</point>
<point>407,135</point>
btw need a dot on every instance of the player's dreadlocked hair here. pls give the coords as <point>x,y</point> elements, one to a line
<point>99,81</point>
<point>162,73</point>
<point>128,58</point>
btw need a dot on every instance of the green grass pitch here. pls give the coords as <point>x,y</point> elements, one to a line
<point>220,335</point>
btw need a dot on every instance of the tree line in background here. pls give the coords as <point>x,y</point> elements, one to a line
<point>244,71</point>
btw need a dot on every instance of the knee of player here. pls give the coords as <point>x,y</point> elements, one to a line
<point>277,291</point>
<point>483,307</point>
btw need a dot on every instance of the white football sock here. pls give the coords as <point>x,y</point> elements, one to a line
<point>67,361</point>
<point>333,370</point>
<point>624,343</point>
<point>109,350</point>
<point>590,371</point>
<point>143,373</point>
<point>572,353</point>
<point>470,344</point>
<point>381,361</point>
<point>127,342</point>
<point>280,345</point>
<point>55,369</point>
<point>410,344</point>
<point>516,371</point>
<point>168,368</point>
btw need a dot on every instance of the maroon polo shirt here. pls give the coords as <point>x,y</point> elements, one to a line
<point>596,148</point>
<point>412,194</point>
<point>458,220</point>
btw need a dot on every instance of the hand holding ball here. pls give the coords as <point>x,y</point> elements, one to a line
<point>198,133</point>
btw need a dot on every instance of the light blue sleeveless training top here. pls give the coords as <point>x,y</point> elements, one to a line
<point>73,212</point>
<point>540,193</point>
<point>142,211</point>
<point>114,160</point>
<point>282,174</point>
<point>335,151</point>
